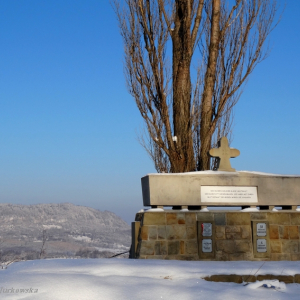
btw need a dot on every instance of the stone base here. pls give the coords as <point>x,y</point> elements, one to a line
<point>234,235</point>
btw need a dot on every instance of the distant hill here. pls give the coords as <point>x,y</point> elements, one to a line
<point>70,231</point>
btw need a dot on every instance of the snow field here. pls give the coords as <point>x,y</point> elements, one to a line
<point>140,279</point>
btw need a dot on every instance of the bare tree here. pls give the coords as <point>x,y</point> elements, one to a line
<point>44,240</point>
<point>185,112</point>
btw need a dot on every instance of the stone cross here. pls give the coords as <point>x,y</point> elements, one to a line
<point>224,153</point>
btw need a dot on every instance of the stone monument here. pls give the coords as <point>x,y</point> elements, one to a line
<point>190,231</point>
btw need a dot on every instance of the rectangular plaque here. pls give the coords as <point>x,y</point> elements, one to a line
<point>233,194</point>
<point>206,229</point>
<point>261,245</point>
<point>261,229</point>
<point>207,245</point>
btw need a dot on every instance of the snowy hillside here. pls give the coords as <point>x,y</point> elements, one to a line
<point>69,229</point>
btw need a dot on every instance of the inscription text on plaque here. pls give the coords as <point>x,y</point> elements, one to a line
<point>233,194</point>
<point>206,245</point>
<point>261,245</point>
<point>206,229</point>
<point>261,229</point>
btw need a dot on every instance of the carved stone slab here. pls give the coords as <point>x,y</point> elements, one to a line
<point>185,188</point>
<point>261,239</point>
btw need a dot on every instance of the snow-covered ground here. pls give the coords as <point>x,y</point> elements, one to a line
<point>71,279</point>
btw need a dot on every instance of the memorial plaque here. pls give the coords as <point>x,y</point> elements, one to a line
<point>229,194</point>
<point>261,229</point>
<point>206,229</point>
<point>207,245</point>
<point>261,245</point>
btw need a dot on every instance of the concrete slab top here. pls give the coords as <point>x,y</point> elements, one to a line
<point>252,188</point>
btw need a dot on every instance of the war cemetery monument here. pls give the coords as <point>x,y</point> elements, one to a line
<point>185,112</point>
<point>178,224</point>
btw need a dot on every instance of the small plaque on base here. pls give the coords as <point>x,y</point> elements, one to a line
<point>261,229</point>
<point>207,245</point>
<point>261,245</point>
<point>206,229</point>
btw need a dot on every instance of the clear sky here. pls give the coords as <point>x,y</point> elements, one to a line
<point>68,127</point>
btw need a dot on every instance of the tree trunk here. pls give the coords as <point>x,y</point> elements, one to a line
<point>206,131</point>
<point>230,38</point>
<point>183,160</point>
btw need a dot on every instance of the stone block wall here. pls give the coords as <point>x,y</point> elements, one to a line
<point>178,235</point>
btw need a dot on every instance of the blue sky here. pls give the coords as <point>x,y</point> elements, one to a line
<point>68,126</point>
